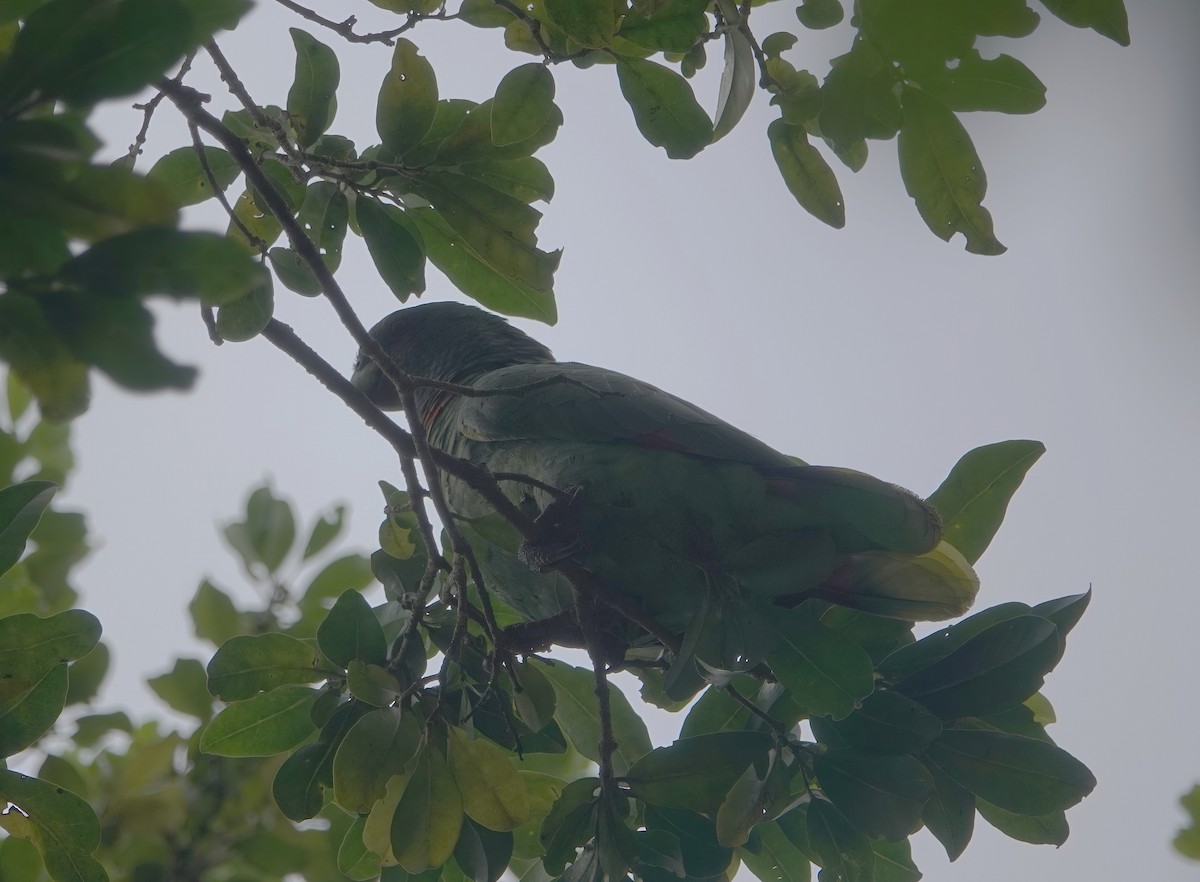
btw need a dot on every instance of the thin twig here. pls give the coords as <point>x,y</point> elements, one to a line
<point>776,726</point>
<point>535,30</point>
<point>607,743</point>
<point>238,90</point>
<point>198,146</point>
<point>139,140</point>
<point>346,30</point>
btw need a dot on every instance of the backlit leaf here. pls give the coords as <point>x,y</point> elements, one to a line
<point>664,107</point>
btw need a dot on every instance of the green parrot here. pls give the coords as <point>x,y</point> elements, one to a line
<point>702,524</point>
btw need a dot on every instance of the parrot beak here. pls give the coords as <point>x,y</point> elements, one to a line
<point>370,381</point>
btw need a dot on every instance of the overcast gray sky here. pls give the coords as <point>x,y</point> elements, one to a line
<point>877,347</point>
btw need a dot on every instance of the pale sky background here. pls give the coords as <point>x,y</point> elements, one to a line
<point>877,347</point>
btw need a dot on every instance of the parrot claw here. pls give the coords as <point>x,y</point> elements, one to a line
<point>559,535</point>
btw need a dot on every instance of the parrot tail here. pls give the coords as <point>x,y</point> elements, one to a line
<point>861,511</point>
<point>930,587</point>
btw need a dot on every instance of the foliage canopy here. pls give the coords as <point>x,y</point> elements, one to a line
<point>424,734</point>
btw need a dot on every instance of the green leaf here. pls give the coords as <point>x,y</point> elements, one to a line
<point>893,862</point>
<point>1021,775</point>
<point>182,175</point>
<point>408,99</point>
<point>26,715</point>
<point>482,854</point>
<point>857,98</point>
<point>261,225</point>
<point>1187,840</point>
<point>324,531</point>
<point>715,711</point>
<point>570,823</point>
<point>825,672</point>
<point>312,100</point>
<point>91,728</point>
<point>86,675</point>
<point>882,796</point>
<point>975,495</point>
<point>350,571</point>
<point>885,722</point>
<point>534,700</point>
<point>351,632</point>
<point>664,107</point>
<point>266,535</point>
<point>372,684</point>
<point>524,102</point>
<point>590,23</point>
<point>244,318</point>
<point>324,217</point>
<point>773,856</point>
<point>526,178</point>
<point>806,173</point>
<point>283,182</point>
<point>265,725</point>
<point>697,773</point>
<point>576,712</point>
<point>353,859</point>
<point>513,280</point>
<point>382,744</point>
<point>739,79</point>
<point>429,816</point>
<point>185,688</point>
<point>757,795</point>
<point>1048,829</point>
<point>842,851</point>
<point>1106,17</point>
<point>472,140</point>
<point>949,814</point>
<point>669,26</point>
<point>703,856</point>
<point>81,51</point>
<point>395,245</point>
<point>296,787</point>
<point>1064,611</point>
<point>244,666</point>
<point>166,261</point>
<point>994,670</point>
<point>21,507</point>
<point>819,14</point>
<point>908,660</point>
<point>294,272</point>
<point>31,646</point>
<point>214,616</point>
<point>1000,84</point>
<point>62,826</point>
<point>493,794</point>
<point>484,14</point>
<point>943,174</point>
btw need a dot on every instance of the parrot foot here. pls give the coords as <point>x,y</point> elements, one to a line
<point>558,533</point>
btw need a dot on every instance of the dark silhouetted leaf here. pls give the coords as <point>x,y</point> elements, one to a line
<point>994,670</point>
<point>383,743</point>
<point>949,814</point>
<point>842,851</point>
<point>1106,17</point>
<point>880,795</point>
<point>1048,829</point>
<point>1021,775</point>
<point>669,26</point>
<point>820,14</point>
<point>885,722</point>
<point>739,78</point>
<point>697,773</point>
<point>824,671</point>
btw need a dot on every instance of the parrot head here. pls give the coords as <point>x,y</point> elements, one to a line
<point>452,342</point>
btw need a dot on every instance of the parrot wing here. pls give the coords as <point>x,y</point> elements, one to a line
<point>576,403</point>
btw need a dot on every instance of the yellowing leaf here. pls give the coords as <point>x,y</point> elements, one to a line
<point>493,793</point>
